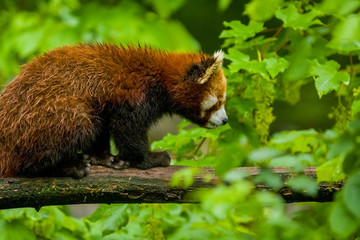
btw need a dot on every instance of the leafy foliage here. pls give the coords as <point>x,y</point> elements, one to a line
<point>272,54</point>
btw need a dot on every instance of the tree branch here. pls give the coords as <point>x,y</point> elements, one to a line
<point>105,185</point>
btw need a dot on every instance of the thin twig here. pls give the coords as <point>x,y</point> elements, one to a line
<point>198,147</point>
<point>258,53</point>
<point>271,39</point>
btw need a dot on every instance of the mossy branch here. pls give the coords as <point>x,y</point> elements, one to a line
<point>105,185</point>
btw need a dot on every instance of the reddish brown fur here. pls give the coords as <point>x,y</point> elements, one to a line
<point>56,99</point>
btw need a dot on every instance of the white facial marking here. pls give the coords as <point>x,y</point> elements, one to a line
<point>218,118</point>
<point>208,102</point>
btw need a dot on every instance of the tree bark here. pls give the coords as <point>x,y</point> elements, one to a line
<point>105,185</point>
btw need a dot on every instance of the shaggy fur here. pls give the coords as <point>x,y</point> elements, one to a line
<point>74,98</point>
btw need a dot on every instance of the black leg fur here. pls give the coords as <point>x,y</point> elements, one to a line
<point>99,153</point>
<point>132,143</point>
<point>129,125</point>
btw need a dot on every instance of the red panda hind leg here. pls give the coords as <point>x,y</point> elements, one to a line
<point>73,165</point>
<point>57,140</point>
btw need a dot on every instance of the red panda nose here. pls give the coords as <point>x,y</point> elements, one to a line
<point>225,120</point>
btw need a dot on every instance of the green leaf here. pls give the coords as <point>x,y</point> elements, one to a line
<point>304,184</point>
<point>15,230</point>
<point>341,221</point>
<point>241,105</point>
<point>292,18</point>
<point>242,61</point>
<point>276,65</point>
<point>355,107</point>
<point>331,171</point>
<point>262,10</point>
<point>327,77</point>
<point>11,214</point>
<point>351,195</point>
<point>346,35</point>
<point>110,218</point>
<point>301,141</point>
<point>239,30</point>
<point>299,63</point>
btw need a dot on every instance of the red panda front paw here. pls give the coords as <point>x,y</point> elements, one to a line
<point>115,162</point>
<point>77,170</point>
<point>109,161</point>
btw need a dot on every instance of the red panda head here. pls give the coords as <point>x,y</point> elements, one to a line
<point>204,103</point>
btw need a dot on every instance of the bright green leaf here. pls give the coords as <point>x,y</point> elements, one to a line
<point>275,65</point>
<point>11,214</point>
<point>298,21</point>
<point>327,77</point>
<point>300,141</point>
<point>15,230</point>
<point>331,171</point>
<point>239,30</point>
<point>242,61</point>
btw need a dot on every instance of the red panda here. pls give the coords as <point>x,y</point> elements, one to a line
<point>72,99</point>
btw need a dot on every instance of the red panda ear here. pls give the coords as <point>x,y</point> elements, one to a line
<point>201,72</point>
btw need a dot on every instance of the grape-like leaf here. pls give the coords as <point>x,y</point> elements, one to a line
<point>327,77</point>
<point>242,61</point>
<point>276,65</point>
<point>239,30</point>
<point>298,21</point>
